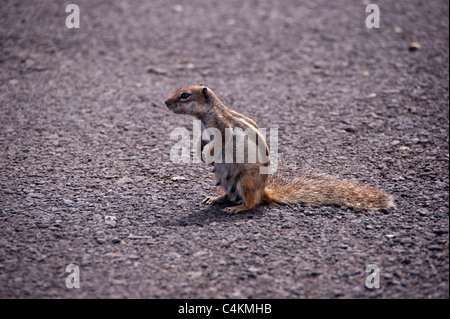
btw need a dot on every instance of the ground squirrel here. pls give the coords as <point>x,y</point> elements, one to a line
<point>244,182</point>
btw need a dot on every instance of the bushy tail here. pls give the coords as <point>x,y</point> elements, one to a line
<point>318,190</point>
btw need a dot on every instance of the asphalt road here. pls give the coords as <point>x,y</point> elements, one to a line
<point>86,177</point>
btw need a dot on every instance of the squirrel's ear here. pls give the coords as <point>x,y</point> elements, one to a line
<point>205,93</point>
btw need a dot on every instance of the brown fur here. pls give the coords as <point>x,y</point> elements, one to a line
<point>317,190</point>
<point>244,182</point>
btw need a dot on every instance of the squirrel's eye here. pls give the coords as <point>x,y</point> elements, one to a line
<point>184,96</point>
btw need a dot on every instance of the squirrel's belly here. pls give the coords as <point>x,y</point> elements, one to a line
<point>227,178</point>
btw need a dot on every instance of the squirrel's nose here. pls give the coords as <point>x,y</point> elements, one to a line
<point>167,102</point>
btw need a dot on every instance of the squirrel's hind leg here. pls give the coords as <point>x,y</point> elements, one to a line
<point>236,209</point>
<point>251,200</point>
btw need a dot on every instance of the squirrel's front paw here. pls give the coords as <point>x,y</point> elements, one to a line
<point>208,200</point>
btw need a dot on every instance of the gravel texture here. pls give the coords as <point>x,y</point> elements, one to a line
<point>85,173</point>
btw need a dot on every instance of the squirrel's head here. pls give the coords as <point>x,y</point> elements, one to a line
<point>194,100</point>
